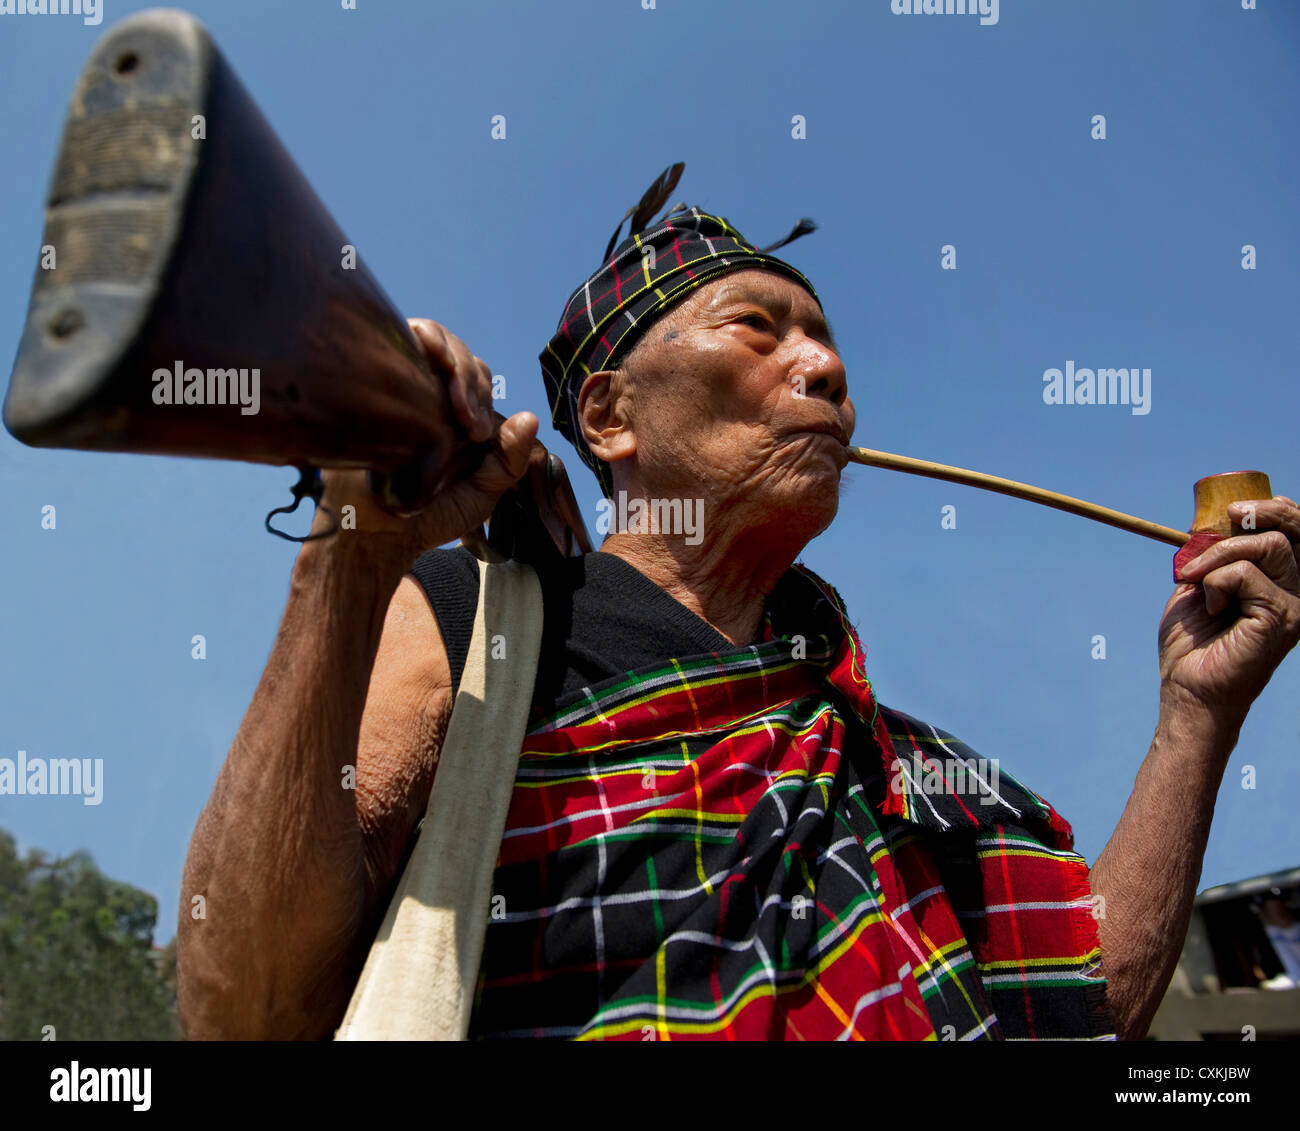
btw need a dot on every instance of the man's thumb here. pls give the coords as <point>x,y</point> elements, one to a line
<point>508,459</point>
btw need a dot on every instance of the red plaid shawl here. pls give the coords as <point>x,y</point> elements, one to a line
<point>747,846</point>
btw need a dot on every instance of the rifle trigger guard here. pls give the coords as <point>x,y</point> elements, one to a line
<point>309,485</point>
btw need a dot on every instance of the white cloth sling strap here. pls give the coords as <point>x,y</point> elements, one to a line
<point>419,979</point>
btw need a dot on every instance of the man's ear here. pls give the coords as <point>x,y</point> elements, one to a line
<point>605,417</point>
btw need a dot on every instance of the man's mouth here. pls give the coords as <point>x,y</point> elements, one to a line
<point>832,438</point>
<point>829,428</point>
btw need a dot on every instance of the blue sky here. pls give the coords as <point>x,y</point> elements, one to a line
<point>921,131</point>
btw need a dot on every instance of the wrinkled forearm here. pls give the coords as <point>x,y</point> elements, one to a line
<point>1149,870</point>
<point>277,854</point>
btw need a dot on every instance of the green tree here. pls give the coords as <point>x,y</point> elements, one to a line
<point>76,952</point>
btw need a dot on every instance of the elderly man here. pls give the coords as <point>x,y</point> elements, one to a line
<point>716,830</point>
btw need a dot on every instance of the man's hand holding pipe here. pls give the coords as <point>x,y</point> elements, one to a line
<point>1232,619</point>
<point>1217,653</point>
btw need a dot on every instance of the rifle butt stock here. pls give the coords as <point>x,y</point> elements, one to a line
<point>199,300</point>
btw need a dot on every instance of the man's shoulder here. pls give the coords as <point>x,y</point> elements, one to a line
<point>454,570</point>
<point>911,733</point>
<point>948,785</point>
<point>449,568</point>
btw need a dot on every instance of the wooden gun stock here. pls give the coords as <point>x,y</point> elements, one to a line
<point>202,302</point>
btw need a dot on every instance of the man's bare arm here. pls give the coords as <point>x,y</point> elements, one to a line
<point>1149,870</point>
<point>293,865</point>
<point>1231,621</point>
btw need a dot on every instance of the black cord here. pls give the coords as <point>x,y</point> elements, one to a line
<point>311,486</point>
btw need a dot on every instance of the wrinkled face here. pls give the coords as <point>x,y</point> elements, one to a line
<point>738,394</point>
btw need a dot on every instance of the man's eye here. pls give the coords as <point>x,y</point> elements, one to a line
<point>757,320</point>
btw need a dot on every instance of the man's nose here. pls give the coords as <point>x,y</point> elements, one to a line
<point>822,370</point>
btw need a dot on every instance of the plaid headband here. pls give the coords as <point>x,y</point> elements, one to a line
<point>651,270</point>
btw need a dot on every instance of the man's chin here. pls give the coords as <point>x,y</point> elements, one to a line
<point>814,499</point>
